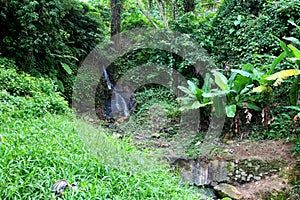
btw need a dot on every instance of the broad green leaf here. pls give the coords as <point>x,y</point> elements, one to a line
<point>257,74</point>
<point>192,86</point>
<point>295,51</point>
<point>276,61</point>
<point>220,80</point>
<point>230,110</point>
<point>253,107</point>
<point>240,83</point>
<point>198,94</point>
<point>231,79</point>
<point>194,106</point>
<point>66,68</point>
<point>246,89</point>
<point>215,93</point>
<point>284,47</point>
<point>248,67</point>
<point>184,89</point>
<point>197,105</point>
<point>242,72</point>
<point>226,198</point>
<point>207,83</point>
<point>297,108</point>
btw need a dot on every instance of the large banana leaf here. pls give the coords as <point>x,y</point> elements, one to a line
<point>283,74</point>
<point>221,80</point>
<point>277,60</point>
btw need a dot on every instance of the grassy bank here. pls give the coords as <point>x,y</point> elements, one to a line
<point>42,142</point>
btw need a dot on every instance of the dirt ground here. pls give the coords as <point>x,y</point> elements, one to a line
<point>267,150</point>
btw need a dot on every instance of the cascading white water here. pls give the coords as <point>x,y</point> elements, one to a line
<point>118,105</point>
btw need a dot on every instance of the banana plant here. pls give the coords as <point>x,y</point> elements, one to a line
<point>231,94</point>
<point>237,88</point>
<point>194,98</point>
<point>290,53</point>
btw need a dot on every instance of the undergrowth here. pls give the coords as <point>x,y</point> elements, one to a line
<point>41,142</point>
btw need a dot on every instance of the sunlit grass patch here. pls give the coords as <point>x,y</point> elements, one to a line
<point>35,153</point>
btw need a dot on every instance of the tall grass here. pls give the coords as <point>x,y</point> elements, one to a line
<point>35,153</point>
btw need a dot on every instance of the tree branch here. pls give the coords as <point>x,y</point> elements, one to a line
<point>161,6</point>
<point>146,14</point>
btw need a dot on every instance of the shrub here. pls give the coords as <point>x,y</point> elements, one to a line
<point>48,37</point>
<point>24,96</point>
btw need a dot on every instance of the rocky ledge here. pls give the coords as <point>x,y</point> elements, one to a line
<point>228,177</point>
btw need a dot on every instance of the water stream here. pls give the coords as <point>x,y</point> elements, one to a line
<point>117,105</point>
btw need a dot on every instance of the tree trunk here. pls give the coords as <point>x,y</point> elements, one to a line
<point>189,6</point>
<point>116,9</point>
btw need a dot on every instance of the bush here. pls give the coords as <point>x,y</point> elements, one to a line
<point>244,28</point>
<point>48,38</point>
<point>24,96</point>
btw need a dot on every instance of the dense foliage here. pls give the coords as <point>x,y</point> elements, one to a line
<point>243,28</point>
<point>49,38</point>
<point>255,46</point>
<point>23,96</point>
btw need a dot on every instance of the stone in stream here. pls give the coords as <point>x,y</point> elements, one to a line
<point>226,190</point>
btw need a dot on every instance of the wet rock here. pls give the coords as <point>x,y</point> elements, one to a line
<point>201,172</point>
<point>243,178</point>
<point>249,177</point>
<point>226,190</point>
<point>206,193</point>
<point>257,178</point>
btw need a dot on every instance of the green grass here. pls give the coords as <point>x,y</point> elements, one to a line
<point>35,153</point>
<point>43,143</point>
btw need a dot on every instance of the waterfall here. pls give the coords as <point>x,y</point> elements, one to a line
<point>108,83</point>
<point>118,105</point>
